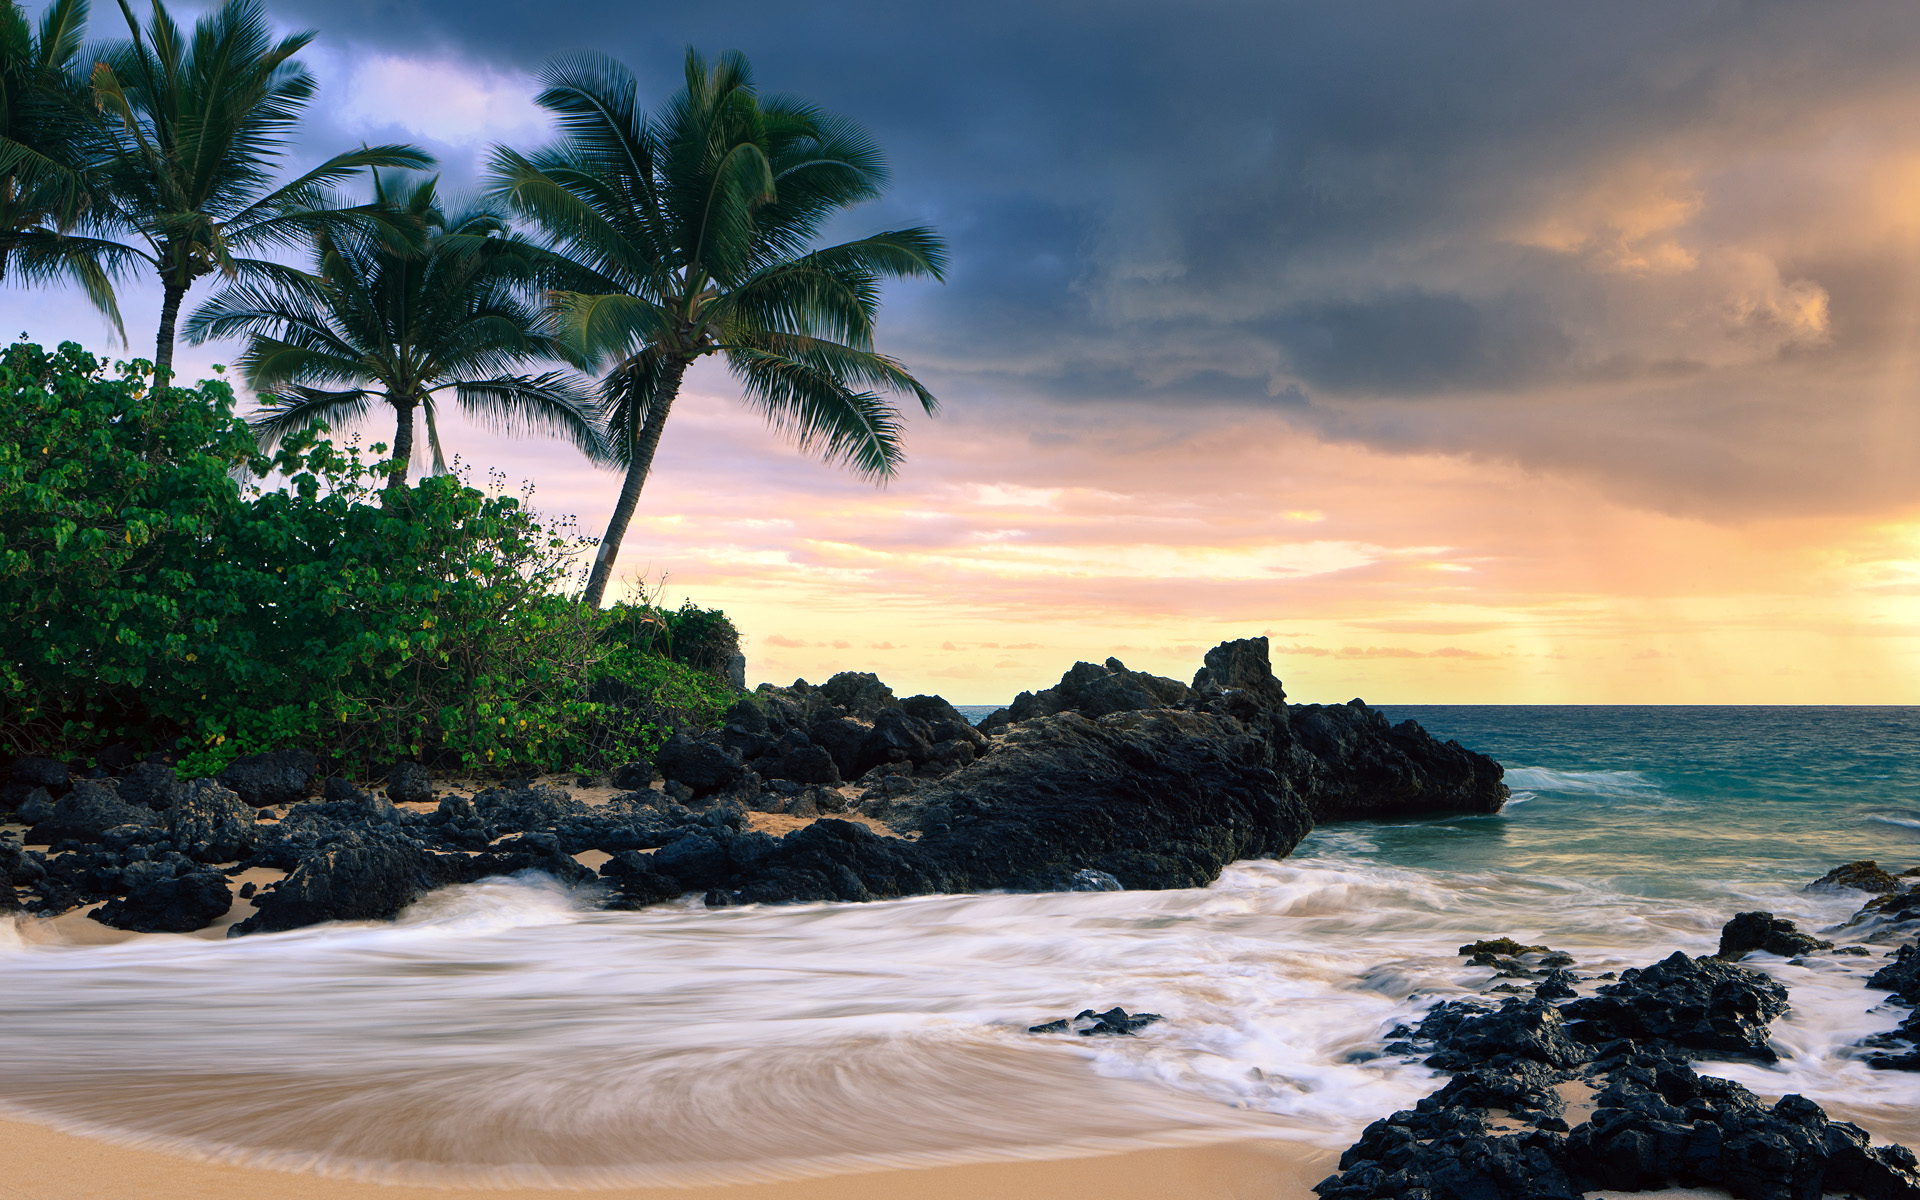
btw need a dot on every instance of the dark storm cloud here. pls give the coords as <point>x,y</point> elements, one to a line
<point>1227,204</point>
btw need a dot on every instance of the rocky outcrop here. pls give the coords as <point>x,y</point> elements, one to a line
<point>87,812</point>
<point>1750,931</point>
<point>1113,778</point>
<point>1155,798</point>
<point>1095,691</point>
<point>1863,876</point>
<point>409,783</point>
<point>1899,1049</point>
<point>210,824</point>
<point>1700,1005</point>
<point>167,895</point>
<point>152,784</point>
<point>1538,1111</point>
<point>1352,764</point>
<point>360,876</point>
<point>277,777</point>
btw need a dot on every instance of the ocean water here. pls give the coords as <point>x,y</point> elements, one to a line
<point>508,1032</point>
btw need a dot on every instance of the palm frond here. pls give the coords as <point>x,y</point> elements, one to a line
<point>820,414</point>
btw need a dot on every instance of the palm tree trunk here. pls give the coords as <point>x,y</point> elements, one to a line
<point>638,467</point>
<point>402,445</point>
<point>163,345</point>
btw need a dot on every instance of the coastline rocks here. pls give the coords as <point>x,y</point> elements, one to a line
<point>36,772</point>
<point>409,783</point>
<point>168,895</point>
<point>1865,875</point>
<point>1750,931</point>
<point>634,775</point>
<point>1362,767</point>
<point>1466,1034</point>
<point>1115,1022</point>
<point>276,777</point>
<point>359,877</point>
<point>1134,781</point>
<point>1701,1005</point>
<point>1532,1114</point>
<point>1096,690</point>
<point>860,693</point>
<point>86,812</point>
<point>1156,799</point>
<point>1901,1046</point>
<point>1656,1123</point>
<point>701,766</point>
<point>210,824</point>
<point>152,784</point>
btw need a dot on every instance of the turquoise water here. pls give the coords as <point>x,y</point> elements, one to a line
<point>1665,799</point>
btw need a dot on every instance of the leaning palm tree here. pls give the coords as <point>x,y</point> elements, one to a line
<point>197,128</point>
<point>375,324</point>
<point>687,234</point>
<point>50,149</point>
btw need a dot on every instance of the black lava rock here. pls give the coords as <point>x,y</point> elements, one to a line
<point>1698,1004</point>
<point>1115,1022</point>
<point>409,783</point>
<point>210,824</point>
<point>702,767</point>
<point>1468,1036</point>
<point>167,897</point>
<point>1865,875</point>
<point>635,775</point>
<point>1156,799</point>
<point>152,784</point>
<point>276,777</point>
<point>89,810</point>
<point>1499,1130</point>
<point>35,772</point>
<point>356,877</point>
<point>1749,931</point>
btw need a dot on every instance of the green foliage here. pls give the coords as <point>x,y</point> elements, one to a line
<point>153,597</point>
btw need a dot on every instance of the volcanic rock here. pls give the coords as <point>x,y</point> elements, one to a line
<point>1363,768</point>
<point>276,777</point>
<point>700,766</point>
<point>210,824</point>
<point>167,897</point>
<point>35,772</point>
<point>89,810</point>
<point>150,783</point>
<point>1866,875</point>
<point>358,877</point>
<point>859,694</point>
<point>1702,1005</point>
<point>1751,931</point>
<point>409,783</point>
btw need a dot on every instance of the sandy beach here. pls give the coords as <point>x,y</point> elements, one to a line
<point>44,1164</point>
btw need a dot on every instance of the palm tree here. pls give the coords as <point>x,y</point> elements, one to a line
<point>50,143</point>
<point>196,130</point>
<point>376,323</point>
<point>688,233</point>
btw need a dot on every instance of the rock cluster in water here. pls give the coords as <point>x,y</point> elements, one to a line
<point>1112,779</point>
<point>1551,1101</point>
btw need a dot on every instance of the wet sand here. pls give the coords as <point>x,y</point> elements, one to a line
<point>44,1164</point>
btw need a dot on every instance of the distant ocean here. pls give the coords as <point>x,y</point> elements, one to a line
<point>507,1031</point>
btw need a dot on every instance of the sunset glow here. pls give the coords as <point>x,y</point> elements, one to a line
<point>1533,361</point>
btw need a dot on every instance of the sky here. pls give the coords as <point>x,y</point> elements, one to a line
<point>1470,352</point>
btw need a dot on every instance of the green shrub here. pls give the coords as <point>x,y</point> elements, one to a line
<point>151,596</point>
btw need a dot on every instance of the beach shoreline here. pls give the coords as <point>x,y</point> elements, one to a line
<point>47,1164</point>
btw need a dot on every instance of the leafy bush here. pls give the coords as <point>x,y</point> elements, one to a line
<point>152,597</point>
